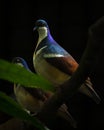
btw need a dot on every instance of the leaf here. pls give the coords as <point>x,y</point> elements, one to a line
<point>9,106</point>
<point>16,74</point>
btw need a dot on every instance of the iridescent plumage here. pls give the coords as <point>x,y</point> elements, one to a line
<point>54,63</point>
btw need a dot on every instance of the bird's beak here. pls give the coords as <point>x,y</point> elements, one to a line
<point>35,28</point>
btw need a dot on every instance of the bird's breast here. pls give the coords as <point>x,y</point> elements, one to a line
<point>26,100</point>
<point>48,71</point>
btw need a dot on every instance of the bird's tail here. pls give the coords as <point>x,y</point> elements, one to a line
<point>63,112</point>
<point>87,89</point>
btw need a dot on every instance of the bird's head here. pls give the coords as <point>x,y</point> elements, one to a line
<point>41,25</point>
<point>20,61</point>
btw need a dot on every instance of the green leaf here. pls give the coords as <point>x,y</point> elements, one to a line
<point>16,74</point>
<point>9,106</point>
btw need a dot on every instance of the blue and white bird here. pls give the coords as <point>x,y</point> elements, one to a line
<point>33,99</point>
<point>54,63</point>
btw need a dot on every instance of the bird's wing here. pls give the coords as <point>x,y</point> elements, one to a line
<point>65,64</point>
<point>57,56</point>
<point>37,93</point>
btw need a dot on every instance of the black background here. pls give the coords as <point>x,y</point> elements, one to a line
<point>69,23</point>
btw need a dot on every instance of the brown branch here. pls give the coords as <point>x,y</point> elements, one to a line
<point>88,60</point>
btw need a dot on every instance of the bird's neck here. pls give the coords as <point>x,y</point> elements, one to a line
<point>43,32</point>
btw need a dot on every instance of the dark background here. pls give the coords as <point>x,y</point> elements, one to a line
<point>69,23</point>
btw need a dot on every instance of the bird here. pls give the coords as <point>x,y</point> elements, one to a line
<point>33,99</point>
<point>56,64</point>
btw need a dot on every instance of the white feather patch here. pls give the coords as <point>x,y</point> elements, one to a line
<point>39,51</point>
<point>52,55</point>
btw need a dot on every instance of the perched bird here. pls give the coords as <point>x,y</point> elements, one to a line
<point>32,99</point>
<point>54,63</point>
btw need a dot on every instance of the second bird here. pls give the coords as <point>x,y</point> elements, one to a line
<point>54,63</point>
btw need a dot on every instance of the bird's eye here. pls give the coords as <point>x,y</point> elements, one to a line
<point>18,60</point>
